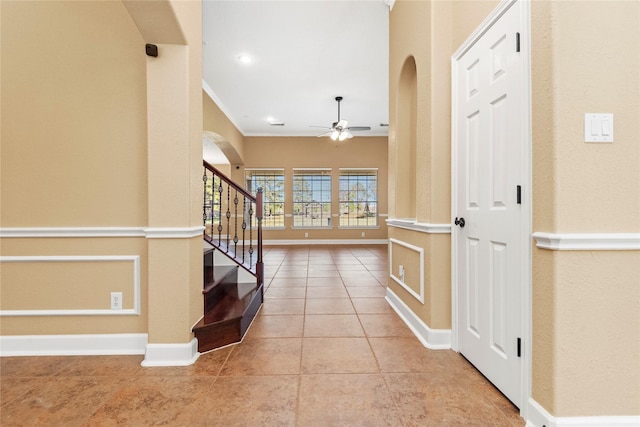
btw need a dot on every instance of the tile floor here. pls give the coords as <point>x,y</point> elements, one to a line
<point>325,350</point>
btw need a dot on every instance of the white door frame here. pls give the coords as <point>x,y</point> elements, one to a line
<point>525,275</point>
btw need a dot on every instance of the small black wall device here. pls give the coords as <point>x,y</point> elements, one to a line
<point>151,49</point>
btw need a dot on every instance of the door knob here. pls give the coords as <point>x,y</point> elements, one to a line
<point>459,222</point>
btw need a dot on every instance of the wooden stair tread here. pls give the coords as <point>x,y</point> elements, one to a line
<point>229,320</point>
<point>216,275</point>
<point>230,306</point>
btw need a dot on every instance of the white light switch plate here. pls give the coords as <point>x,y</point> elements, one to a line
<point>598,127</point>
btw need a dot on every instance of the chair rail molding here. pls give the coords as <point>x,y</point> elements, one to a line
<point>174,232</point>
<point>42,232</point>
<point>423,227</point>
<point>587,241</point>
<point>89,232</point>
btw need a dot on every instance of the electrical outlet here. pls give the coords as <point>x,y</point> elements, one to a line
<point>362,234</point>
<point>401,273</point>
<point>116,300</point>
<point>306,234</point>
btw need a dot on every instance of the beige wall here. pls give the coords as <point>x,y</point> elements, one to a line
<point>78,285</point>
<point>226,136</point>
<point>428,32</point>
<point>613,201</point>
<point>312,152</point>
<point>436,309</point>
<point>407,127</point>
<point>585,305</point>
<point>174,117</point>
<point>73,111</point>
<point>585,311</point>
<point>85,144</point>
<point>55,147</point>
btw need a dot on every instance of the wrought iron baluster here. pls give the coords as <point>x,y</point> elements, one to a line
<point>205,201</point>
<point>235,225</point>
<point>220,190</point>
<point>244,225</point>
<point>251,233</point>
<point>259,215</point>
<point>212,214</point>
<point>228,215</point>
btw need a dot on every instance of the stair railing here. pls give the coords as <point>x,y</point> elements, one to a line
<point>232,220</point>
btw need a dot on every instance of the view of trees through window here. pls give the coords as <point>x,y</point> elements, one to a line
<point>312,198</point>
<point>211,207</point>
<point>272,183</point>
<point>358,198</point>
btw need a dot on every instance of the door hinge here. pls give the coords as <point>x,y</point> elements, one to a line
<point>519,195</point>
<point>519,347</point>
<point>517,42</point>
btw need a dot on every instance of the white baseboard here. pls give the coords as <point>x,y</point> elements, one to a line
<point>171,354</point>
<point>325,242</point>
<point>72,345</point>
<point>435,339</point>
<point>539,417</point>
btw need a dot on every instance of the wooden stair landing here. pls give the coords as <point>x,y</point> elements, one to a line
<point>229,306</point>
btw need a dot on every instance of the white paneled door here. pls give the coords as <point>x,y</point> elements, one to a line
<point>488,190</point>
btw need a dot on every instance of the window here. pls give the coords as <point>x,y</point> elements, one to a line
<point>358,198</point>
<point>272,183</point>
<point>311,198</point>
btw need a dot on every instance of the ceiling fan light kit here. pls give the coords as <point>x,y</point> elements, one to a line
<point>339,130</point>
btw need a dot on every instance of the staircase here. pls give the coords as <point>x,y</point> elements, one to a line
<point>233,268</point>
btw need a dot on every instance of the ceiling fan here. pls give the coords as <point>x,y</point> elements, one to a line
<point>339,131</point>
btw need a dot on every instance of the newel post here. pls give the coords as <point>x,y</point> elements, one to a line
<point>259,214</point>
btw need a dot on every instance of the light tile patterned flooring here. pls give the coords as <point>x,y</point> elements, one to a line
<point>325,350</point>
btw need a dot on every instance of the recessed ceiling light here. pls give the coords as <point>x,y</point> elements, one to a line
<point>274,122</point>
<point>245,59</point>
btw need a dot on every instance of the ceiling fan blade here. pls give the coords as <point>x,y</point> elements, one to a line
<point>340,130</point>
<point>324,133</point>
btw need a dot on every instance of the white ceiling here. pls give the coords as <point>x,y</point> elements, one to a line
<point>305,53</point>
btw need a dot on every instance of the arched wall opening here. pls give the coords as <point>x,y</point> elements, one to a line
<point>218,151</point>
<point>406,140</point>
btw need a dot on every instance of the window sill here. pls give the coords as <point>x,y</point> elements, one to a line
<point>312,228</point>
